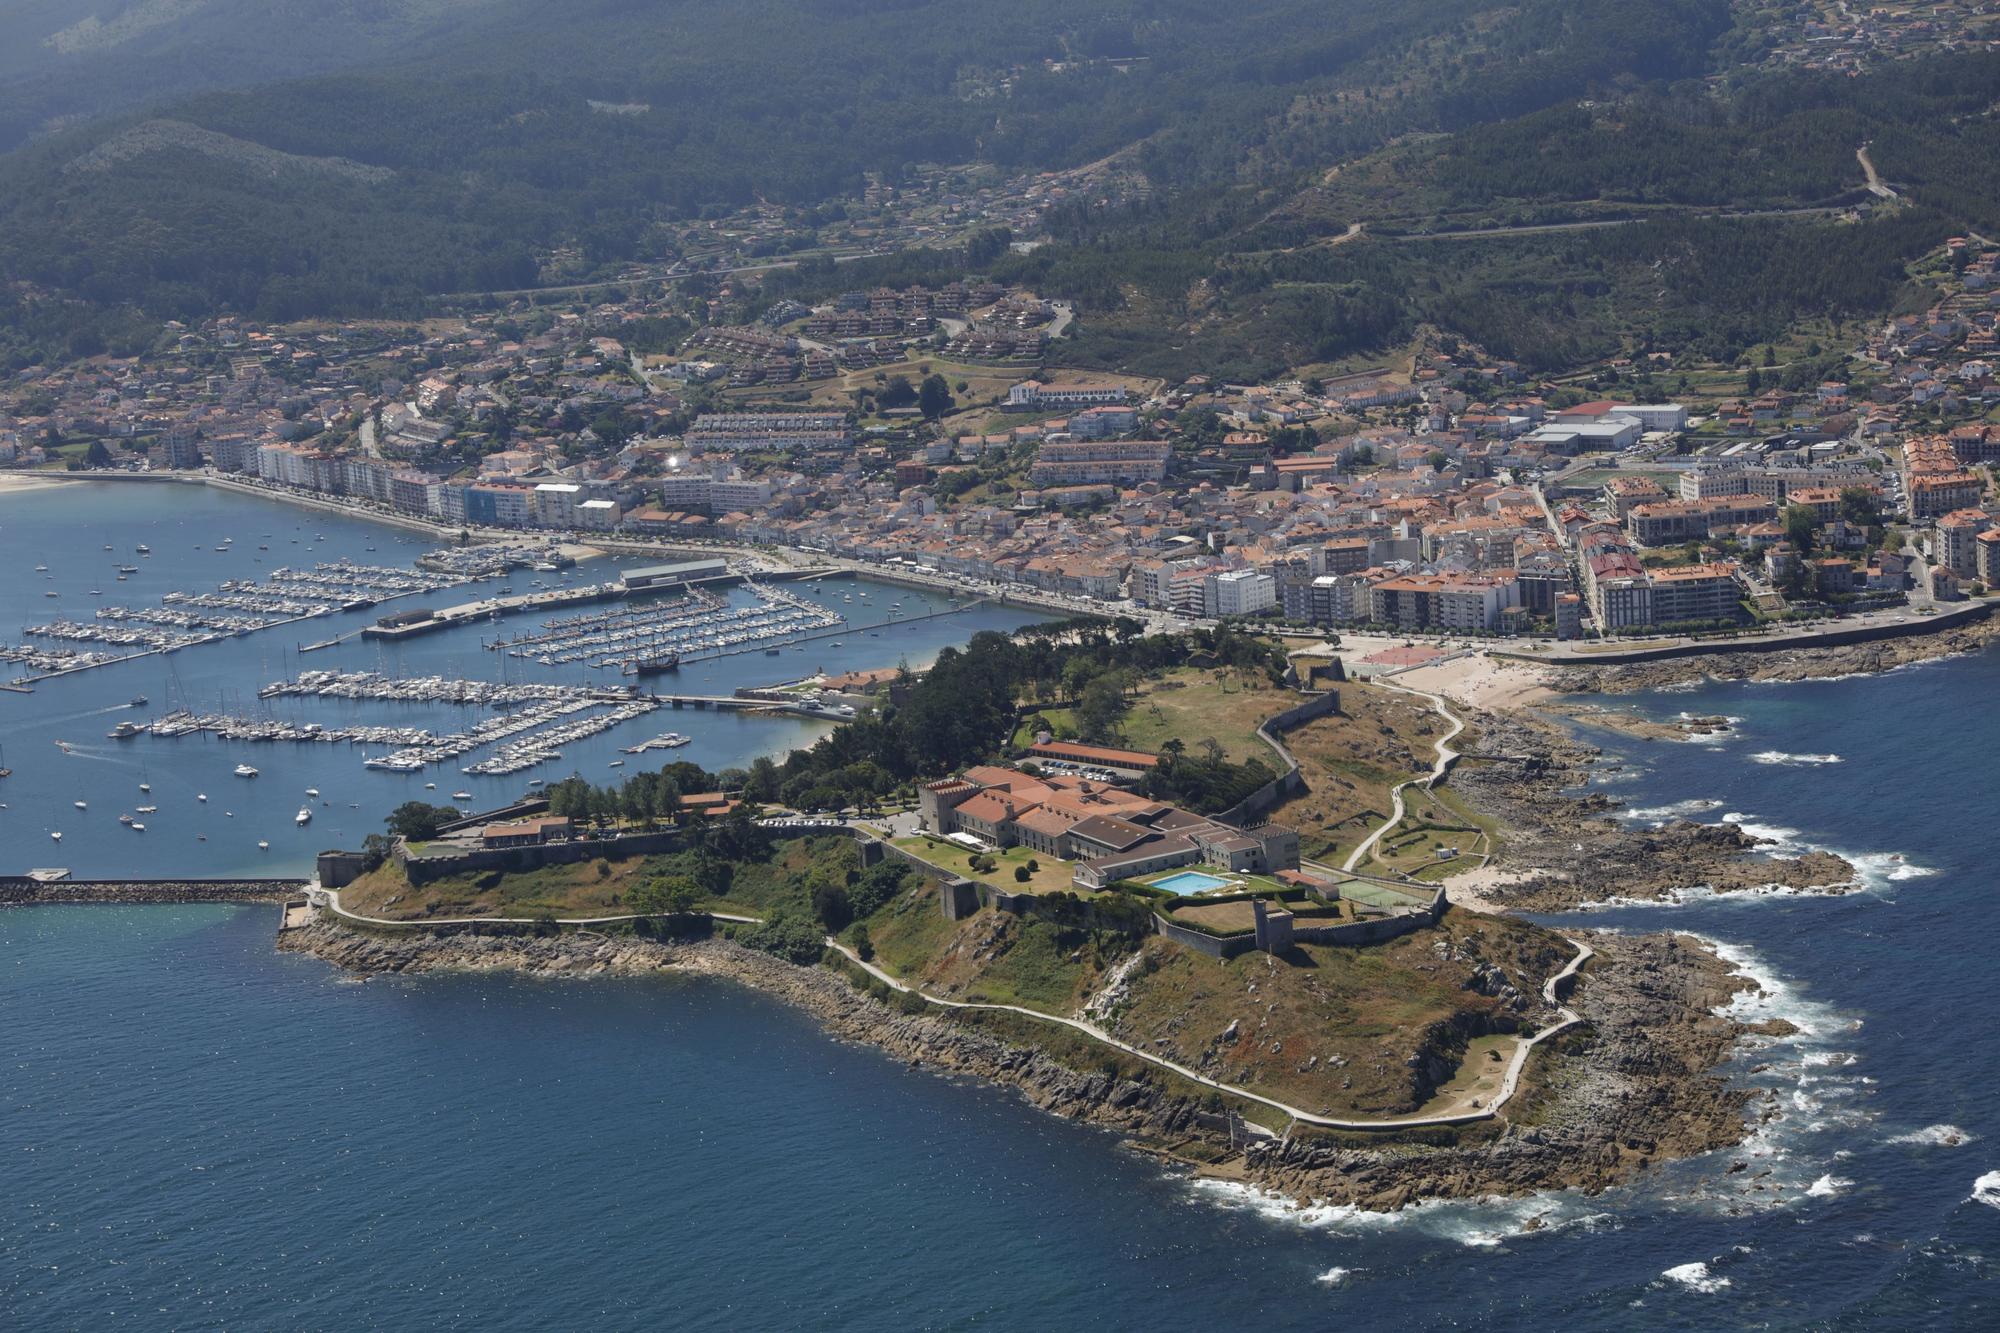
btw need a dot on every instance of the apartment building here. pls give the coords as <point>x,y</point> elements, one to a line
<point>1694,592</point>
<point>737,432</point>
<point>1239,592</point>
<point>1088,462</point>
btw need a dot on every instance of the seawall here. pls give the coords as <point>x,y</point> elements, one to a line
<point>19,890</point>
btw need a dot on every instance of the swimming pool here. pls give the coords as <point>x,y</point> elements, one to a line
<point>1190,881</point>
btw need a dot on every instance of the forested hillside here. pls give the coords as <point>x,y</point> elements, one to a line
<point>502,131</point>
<point>445,170</point>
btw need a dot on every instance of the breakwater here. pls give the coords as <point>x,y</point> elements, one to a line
<point>22,891</point>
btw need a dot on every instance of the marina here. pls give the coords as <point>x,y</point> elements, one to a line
<point>683,628</point>
<point>208,711</point>
<point>236,607</point>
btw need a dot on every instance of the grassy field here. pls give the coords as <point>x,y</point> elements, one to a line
<point>1228,918</point>
<point>1434,819</point>
<point>1350,760</point>
<point>985,385</point>
<point>1329,1029</point>
<point>1191,705</point>
<point>1050,875</point>
<point>991,957</point>
<point>596,887</point>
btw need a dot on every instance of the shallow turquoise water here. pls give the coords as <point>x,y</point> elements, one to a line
<point>1189,881</point>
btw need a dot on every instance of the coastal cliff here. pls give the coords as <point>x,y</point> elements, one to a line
<point>1632,1087</point>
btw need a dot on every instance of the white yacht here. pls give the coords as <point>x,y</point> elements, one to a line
<point>304,816</point>
<point>312,791</point>
<point>245,771</point>
<point>201,796</point>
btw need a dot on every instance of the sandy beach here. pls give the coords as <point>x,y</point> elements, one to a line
<point>1491,684</point>
<point>1468,888</point>
<point>20,483</point>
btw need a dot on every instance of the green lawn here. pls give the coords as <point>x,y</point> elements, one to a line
<point>1051,874</point>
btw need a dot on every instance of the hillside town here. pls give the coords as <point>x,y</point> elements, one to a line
<point>931,430</point>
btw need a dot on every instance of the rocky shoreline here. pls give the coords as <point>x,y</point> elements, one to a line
<point>1793,664</point>
<point>1634,1086</point>
<point>1563,851</point>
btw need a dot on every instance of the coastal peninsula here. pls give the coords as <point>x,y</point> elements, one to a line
<point>1284,999</point>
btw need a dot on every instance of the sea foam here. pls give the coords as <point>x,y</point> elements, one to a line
<point>1793,760</point>
<point>1696,1277</point>
<point>1935,1136</point>
<point>1986,1189</point>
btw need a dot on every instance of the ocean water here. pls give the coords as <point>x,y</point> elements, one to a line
<point>196,1132</point>
<point>67,529</point>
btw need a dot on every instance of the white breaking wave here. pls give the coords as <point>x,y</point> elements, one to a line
<point>1877,869</point>
<point>1872,870</point>
<point>1936,1136</point>
<point>1781,757</point>
<point>1828,1059</point>
<point>1986,1189</point>
<point>1828,1185</point>
<point>1657,814</point>
<point>1777,836</point>
<point>1696,1277</point>
<point>1334,1277</point>
<point>1773,996</point>
<point>1482,1223</point>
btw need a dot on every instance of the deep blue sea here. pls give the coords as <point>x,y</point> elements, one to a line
<point>196,1132</point>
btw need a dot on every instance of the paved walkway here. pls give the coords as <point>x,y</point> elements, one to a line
<point>1509,1083</point>
<point>1446,757</point>
<point>330,899</point>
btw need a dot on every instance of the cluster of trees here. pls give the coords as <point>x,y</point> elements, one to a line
<point>646,799</point>
<point>964,709</point>
<point>1205,782</point>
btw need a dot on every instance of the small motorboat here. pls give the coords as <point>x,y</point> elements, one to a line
<point>81,805</point>
<point>461,796</point>
<point>56,836</point>
<point>245,771</point>
<point>304,816</point>
<point>137,827</point>
<point>312,791</point>
<point>263,846</point>
<point>201,796</point>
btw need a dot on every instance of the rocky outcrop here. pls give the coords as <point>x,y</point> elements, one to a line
<point>1562,852</point>
<point>1792,664</point>
<point>1631,1088</point>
